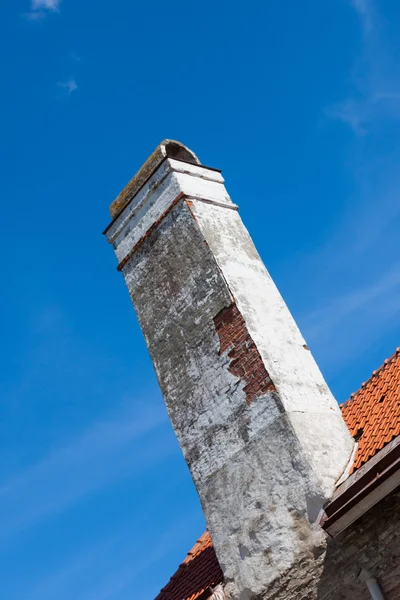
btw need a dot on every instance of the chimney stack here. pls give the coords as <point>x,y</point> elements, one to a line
<point>262,435</point>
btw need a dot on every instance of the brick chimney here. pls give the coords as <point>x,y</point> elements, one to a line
<point>261,432</point>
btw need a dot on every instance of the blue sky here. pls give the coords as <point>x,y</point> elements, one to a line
<point>299,104</point>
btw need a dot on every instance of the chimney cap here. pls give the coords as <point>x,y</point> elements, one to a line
<point>174,149</point>
<point>167,149</point>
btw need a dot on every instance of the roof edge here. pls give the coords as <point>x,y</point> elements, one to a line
<point>385,363</point>
<point>372,482</point>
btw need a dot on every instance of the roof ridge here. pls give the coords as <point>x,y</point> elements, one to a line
<point>383,366</point>
<point>192,552</point>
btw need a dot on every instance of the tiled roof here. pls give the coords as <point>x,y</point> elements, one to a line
<point>373,417</point>
<point>373,413</point>
<point>199,572</point>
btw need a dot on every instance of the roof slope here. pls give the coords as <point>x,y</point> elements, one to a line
<point>199,571</point>
<point>373,417</point>
<point>373,413</point>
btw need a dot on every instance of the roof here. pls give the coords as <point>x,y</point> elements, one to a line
<point>373,413</point>
<point>199,572</point>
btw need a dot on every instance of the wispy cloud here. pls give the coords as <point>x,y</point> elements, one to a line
<point>353,295</point>
<point>355,319</point>
<point>353,112</point>
<point>82,576</point>
<point>40,8</point>
<point>365,9</point>
<point>375,96</point>
<point>45,4</point>
<point>364,111</point>
<point>354,292</point>
<point>68,86</point>
<point>105,451</point>
<point>81,439</point>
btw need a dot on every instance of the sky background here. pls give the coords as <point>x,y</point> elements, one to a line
<point>299,104</point>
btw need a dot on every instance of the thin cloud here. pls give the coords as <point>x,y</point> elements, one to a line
<point>69,86</point>
<point>45,5</point>
<point>124,560</point>
<point>353,293</point>
<point>365,9</point>
<point>351,112</point>
<point>365,114</point>
<point>102,453</point>
<point>350,325</point>
<point>41,8</point>
<point>352,298</point>
<point>376,85</point>
<point>377,303</point>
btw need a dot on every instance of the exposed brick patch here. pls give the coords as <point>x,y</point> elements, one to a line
<point>246,362</point>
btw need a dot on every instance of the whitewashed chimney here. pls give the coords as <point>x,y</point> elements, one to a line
<point>261,432</point>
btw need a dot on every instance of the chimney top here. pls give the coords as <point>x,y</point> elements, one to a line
<point>167,149</point>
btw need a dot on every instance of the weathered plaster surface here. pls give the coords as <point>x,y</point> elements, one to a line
<point>332,571</point>
<point>262,468</point>
<point>313,412</point>
<point>177,289</point>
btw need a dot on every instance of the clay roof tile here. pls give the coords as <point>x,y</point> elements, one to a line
<point>375,409</point>
<point>199,571</point>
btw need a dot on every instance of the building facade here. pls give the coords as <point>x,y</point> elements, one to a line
<point>288,482</point>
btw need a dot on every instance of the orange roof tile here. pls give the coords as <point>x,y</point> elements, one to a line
<point>199,571</point>
<point>373,413</point>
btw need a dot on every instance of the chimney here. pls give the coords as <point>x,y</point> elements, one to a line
<point>262,435</point>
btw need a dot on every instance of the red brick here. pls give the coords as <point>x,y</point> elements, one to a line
<point>246,362</point>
